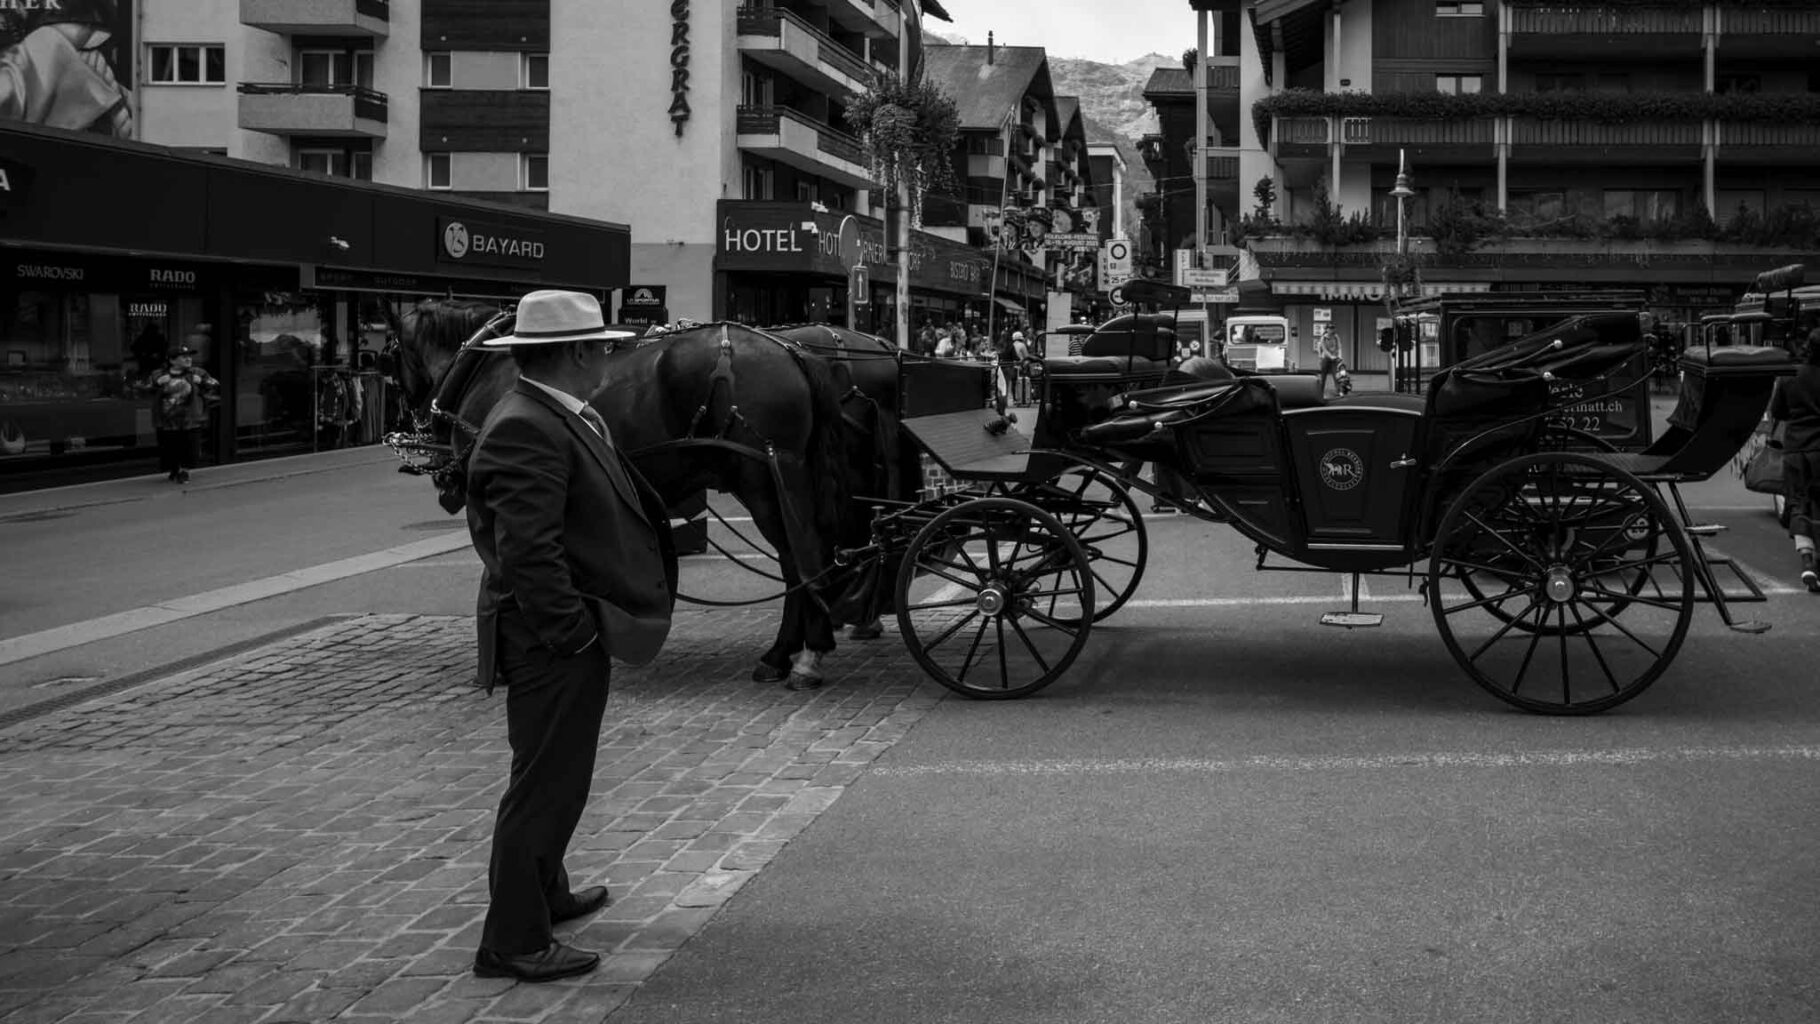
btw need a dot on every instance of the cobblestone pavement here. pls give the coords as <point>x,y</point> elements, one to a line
<point>300,833</point>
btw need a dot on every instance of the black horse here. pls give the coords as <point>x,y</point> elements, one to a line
<point>716,406</point>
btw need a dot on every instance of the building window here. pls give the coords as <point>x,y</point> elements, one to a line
<point>1560,83</point>
<point>438,70</point>
<point>1643,204</point>
<point>436,170</point>
<point>534,71</point>
<point>363,166</point>
<point>187,64</point>
<point>755,182</point>
<point>536,172</point>
<point>1461,84</point>
<point>1738,83</point>
<point>807,192</point>
<point>335,67</point>
<point>323,161</point>
<point>1459,8</point>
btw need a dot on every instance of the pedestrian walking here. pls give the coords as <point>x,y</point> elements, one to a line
<point>578,568</point>
<point>1795,407</point>
<point>1007,367</point>
<point>1327,350</point>
<point>182,394</point>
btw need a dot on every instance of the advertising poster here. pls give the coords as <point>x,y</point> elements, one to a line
<point>68,64</point>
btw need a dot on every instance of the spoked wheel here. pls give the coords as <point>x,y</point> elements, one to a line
<point>995,598</point>
<point>1561,584</point>
<point>1102,515</point>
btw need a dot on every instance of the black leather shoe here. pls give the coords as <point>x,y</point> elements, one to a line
<point>555,961</point>
<point>581,904</point>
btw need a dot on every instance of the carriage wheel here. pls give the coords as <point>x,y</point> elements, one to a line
<point>994,598</point>
<point>1102,515</point>
<point>1559,438</point>
<point>1582,583</point>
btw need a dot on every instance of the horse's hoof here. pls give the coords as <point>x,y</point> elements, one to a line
<point>867,631</point>
<point>768,673</point>
<point>798,681</point>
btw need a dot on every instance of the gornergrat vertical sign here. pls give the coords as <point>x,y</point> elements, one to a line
<point>679,64</point>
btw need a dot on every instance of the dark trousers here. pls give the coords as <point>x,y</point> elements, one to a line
<point>554,707</point>
<point>178,449</point>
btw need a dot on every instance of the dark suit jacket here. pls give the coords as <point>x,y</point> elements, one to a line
<point>564,547</point>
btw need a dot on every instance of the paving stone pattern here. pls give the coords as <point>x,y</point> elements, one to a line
<point>300,833</point>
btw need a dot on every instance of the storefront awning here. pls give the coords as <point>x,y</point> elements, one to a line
<point>1368,291</point>
<point>1007,304</point>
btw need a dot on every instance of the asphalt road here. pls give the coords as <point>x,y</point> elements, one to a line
<point>1224,812</point>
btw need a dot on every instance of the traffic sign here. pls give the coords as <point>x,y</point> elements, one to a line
<point>1118,259</point>
<point>1117,296</point>
<point>862,293</point>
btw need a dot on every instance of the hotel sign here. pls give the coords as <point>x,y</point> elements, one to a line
<point>796,237</point>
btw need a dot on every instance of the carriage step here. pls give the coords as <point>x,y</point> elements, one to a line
<point>1352,620</point>
<point>1705,529</point>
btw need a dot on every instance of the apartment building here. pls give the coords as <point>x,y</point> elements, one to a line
<point>1606,135</point>
<point>1024,176</point>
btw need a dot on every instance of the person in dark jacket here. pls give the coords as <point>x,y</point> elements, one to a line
<point>1796,406</point>
<point>578,568</point>
<point>181,394</point>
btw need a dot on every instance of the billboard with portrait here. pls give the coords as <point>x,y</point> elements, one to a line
<point>68,64</point>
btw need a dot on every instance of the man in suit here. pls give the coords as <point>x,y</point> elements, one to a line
<point>579,569</point>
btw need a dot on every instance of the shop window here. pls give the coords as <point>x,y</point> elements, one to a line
<point>1459,84</point>
<point>1642,204</point>
<point>1561,83</point>
<point>187,64</point>
<point>438,70</point>
<point>1733,201</point>
<point>536,172</point>
<point>1459,8</point>
<point>534,71</point>
<point>436,170</point>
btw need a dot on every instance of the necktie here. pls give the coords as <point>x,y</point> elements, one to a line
<point>614,469</point>
<point>592,416</point>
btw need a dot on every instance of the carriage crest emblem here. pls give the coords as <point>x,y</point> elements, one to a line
<point>1342,469</point>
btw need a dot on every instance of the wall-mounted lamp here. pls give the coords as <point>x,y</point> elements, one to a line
<point>339,243</point>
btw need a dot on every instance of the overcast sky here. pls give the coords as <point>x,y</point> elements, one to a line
<point>1109,31</point>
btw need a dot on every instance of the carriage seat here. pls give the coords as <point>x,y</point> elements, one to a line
<point>1297,390</point>
<point>1752,356</point>
<point>1106,366</point>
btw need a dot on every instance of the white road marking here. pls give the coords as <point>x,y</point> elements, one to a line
<point>46,641</point>
<point>1380,762</point>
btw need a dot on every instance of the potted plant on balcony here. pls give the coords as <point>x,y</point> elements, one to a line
<point>908,131</point>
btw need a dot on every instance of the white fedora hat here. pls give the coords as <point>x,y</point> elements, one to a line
<point>551,317</point>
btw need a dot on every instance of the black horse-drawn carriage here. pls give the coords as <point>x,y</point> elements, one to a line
<point>1558,576</point>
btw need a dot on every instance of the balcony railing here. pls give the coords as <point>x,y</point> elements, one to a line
<point>769,22</point>
<point>1788,22</point>
<point>1222,168</point>
<point>1301,131</point>
<point>1750,133</point>
<point>366,104</point>
<point>1528,131</point>
<point>1366,131</point>
<point>769,121</point>
<point>1603,21</point>
<point>1222,77</point>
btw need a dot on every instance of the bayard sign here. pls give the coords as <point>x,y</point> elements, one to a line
<point>481,243</point>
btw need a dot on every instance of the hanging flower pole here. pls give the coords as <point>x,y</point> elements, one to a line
<point>908,131</point>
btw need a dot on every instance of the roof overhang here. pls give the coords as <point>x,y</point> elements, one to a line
<point>1292,28</point>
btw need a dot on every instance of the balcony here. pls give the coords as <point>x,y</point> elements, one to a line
<point>369,18</point>
<point>792,137</point>
<point>1767,33</point>
<point>329,111</point>
<point>1768,143</point>
<point>785,42</point>
<point>1570,31</point>
<point>1300,137</point>
<point>1535,141</point>
<point>1517,260</point>
<point>1380,138</point>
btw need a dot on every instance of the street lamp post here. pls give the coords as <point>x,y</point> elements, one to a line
<point>1402,192</point>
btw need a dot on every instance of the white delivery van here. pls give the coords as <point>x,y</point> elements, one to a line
<point>1260,343</point>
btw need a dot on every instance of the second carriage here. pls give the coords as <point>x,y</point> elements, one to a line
<point>1558,576</point>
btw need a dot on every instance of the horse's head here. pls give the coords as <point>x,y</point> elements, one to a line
<point>447,386</point>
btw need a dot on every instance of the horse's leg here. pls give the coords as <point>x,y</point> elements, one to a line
<point>817,642</point>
